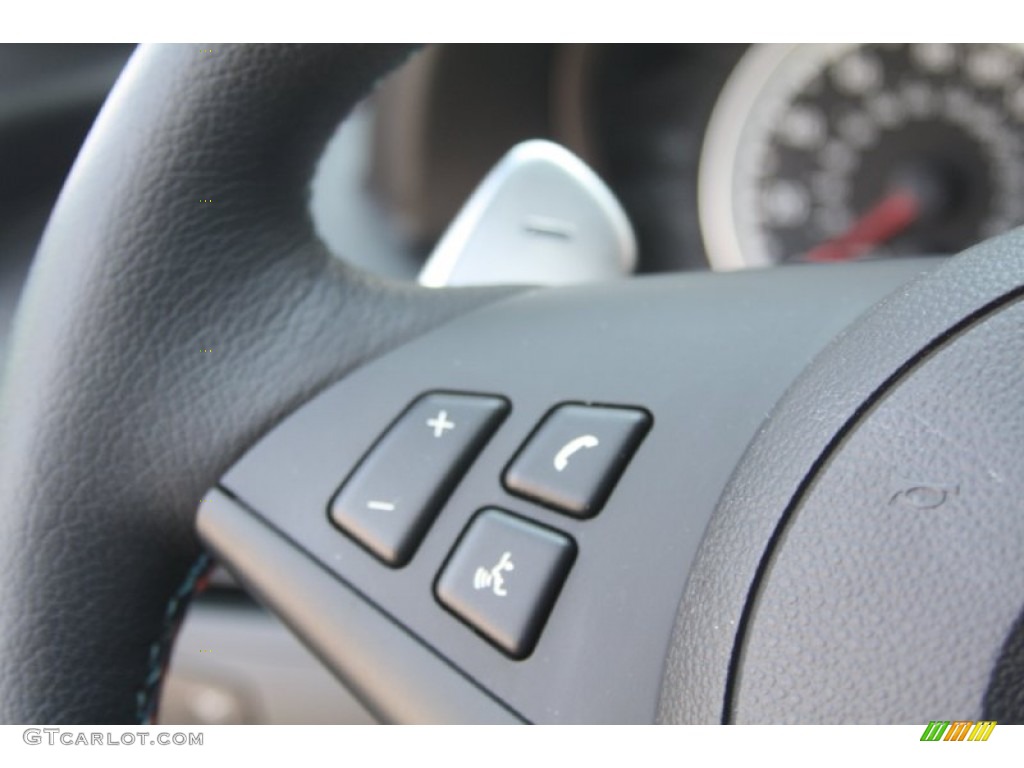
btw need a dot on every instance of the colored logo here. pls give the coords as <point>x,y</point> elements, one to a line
<point>958,730</point>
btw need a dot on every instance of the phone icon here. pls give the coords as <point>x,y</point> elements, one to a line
<point>574,445</point>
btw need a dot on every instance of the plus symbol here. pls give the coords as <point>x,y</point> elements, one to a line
<point>440,423</point>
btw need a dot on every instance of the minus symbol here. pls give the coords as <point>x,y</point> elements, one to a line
<point>549,227</point>
<point>382,506</point>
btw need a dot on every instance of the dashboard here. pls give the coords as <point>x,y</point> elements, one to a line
<point>724,157</point>
<point>636,114</point>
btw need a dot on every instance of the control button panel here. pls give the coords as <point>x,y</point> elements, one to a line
<point>391,498</point>
<point>575,457</point>
<point>503,578</point>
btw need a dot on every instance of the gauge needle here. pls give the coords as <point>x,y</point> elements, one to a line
<point>882,222</point>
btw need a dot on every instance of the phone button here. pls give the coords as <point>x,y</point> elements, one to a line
<point>574,458</point>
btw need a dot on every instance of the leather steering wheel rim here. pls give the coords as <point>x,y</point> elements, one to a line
<point>114,419</point>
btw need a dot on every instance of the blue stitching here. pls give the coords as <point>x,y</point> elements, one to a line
<point>159,651</point>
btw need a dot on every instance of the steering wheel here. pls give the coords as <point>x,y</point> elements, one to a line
<point>819,520</point>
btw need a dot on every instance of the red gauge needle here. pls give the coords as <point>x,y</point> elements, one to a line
<point>882,222</point>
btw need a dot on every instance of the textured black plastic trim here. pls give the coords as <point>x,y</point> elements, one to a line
<point>706,355</point>
<point>396,676</point>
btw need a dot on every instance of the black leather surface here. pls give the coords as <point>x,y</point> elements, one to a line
<point>1004,699</point>
<point>810,422</point>
<point>899,575</point>
<point>114,419</point>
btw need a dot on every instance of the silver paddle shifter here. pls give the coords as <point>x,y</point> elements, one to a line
<point>541,216</point>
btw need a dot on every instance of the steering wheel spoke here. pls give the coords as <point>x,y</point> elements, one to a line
<point>621,420</point>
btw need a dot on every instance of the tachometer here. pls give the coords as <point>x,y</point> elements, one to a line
<point>839,152</point>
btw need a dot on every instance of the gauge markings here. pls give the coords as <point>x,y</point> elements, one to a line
<point>854,151</point>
